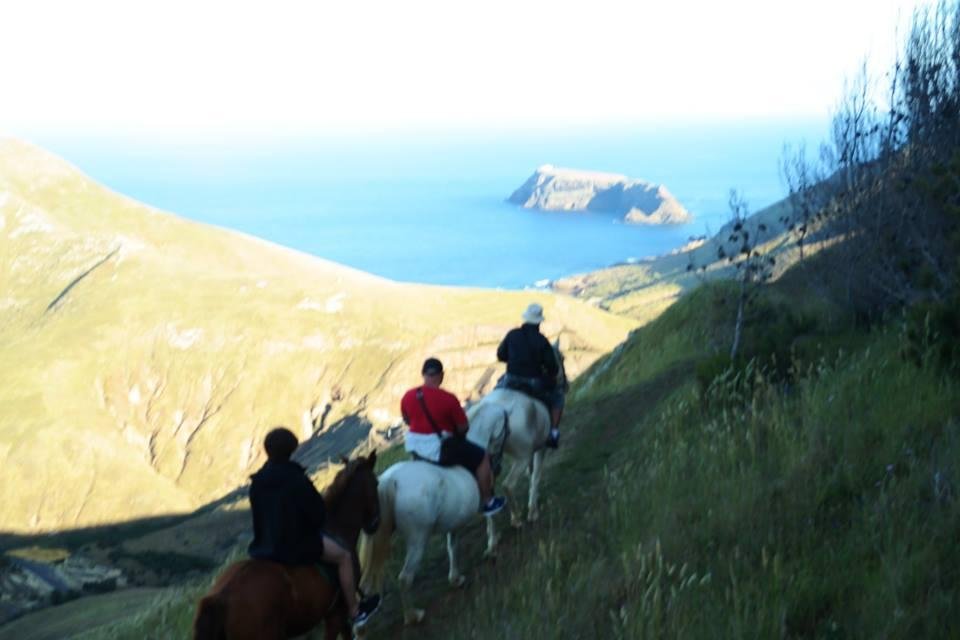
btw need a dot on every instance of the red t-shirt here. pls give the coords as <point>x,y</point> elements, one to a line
<point>443,406</point>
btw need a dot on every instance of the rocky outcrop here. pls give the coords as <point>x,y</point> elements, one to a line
<point>637,201</point>
<point>26,585</point>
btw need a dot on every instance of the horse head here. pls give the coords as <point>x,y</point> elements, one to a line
<point>352,498</point>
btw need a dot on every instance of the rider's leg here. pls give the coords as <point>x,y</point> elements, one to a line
<point>556,412</point>
<point>489,503</point>
<point>484,475</point>
<point>335,554</point>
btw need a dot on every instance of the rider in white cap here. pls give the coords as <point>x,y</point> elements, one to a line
<point>532,363</point>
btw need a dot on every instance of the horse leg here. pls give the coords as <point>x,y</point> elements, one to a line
<point>533,511</point>
<point>509,485</point>
<point>415,546</point>
<point>454,576</point>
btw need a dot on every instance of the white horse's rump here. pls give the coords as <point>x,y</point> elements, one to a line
<point>529,427</point>
<point>418,499</point>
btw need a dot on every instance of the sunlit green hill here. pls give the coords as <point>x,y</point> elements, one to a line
<point>143,356</point>
<point>645,289</point>
<point>815,502</point>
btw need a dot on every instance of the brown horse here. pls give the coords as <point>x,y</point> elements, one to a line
<point>263,600</point>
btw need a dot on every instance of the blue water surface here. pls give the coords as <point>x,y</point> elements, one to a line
<point>431,207</point>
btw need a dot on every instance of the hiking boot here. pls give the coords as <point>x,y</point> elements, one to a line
<point>494,505</point>
<point>367,607</point>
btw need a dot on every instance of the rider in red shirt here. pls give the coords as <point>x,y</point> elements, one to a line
<point>438,428</point>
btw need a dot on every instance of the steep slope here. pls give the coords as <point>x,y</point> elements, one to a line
<point>688,508</point>
<point>826,507</point>
<point>143,356</point>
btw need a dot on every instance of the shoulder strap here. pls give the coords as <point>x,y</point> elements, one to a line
<point>426,412</point>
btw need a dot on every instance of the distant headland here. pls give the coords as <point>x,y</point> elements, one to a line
<point>553,188</point>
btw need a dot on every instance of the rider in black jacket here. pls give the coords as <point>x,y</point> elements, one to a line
<point>532,363</point>
<point>288,518</point>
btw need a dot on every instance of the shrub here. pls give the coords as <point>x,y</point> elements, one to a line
<point>931,335</point>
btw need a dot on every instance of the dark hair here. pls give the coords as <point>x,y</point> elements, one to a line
<point>280,444</point>
<point>431,367</point>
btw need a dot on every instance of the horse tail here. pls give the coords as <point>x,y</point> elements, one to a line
<point>210,622</point>
<point>375,549</point>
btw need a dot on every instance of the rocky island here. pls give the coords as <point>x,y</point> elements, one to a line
<point>638,201</point>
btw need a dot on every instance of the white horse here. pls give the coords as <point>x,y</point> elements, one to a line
<point>420,498</point>
<point>528,428</point>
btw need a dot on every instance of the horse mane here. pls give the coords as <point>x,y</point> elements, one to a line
<point>335,490</point>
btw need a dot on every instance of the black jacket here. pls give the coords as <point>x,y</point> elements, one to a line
<point>529,354</point>
<point>288,514</point>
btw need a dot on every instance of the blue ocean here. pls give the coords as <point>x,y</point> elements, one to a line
<point>431,207</point>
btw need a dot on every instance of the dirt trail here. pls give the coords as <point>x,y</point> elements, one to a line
<point>591,435</point>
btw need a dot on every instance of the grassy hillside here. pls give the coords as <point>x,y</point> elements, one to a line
<point>143,356</point>
<point>818,500</point>
<point>819,504</point>
<point>62,621</point>
<point>644,290</point>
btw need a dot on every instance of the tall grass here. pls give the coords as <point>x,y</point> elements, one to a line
<point>821,508</point>
<point>823,504</point>
<point>170,616</point>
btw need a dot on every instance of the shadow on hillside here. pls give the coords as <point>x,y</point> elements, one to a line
<point>341,439</point>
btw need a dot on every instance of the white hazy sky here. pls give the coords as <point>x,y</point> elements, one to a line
<point>202,65</point>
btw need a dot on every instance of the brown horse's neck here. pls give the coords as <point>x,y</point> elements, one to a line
<point>344,522</point>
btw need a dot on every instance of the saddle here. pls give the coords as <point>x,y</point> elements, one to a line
<point>418,458</point>
<point>330,573</point>
<point>531,387</point>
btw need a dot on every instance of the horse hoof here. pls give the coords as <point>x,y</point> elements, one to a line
<point>490,553</point>
<point>458,581</point>
<point>414,617</point>
<point>516,524</point>
<point>533,516</point>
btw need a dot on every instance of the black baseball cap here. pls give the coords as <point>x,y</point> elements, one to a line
<point>431,367</point>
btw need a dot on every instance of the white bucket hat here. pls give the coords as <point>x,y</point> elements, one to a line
<point>533,314</point>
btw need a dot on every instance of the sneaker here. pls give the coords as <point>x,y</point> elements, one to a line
<point>495,504</point>
<point>360,620</point>
<point>553,440</point>
<point>367,608</point>
<point>370,603</point>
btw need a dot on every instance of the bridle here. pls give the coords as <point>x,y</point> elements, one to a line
<point>372,525</point>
